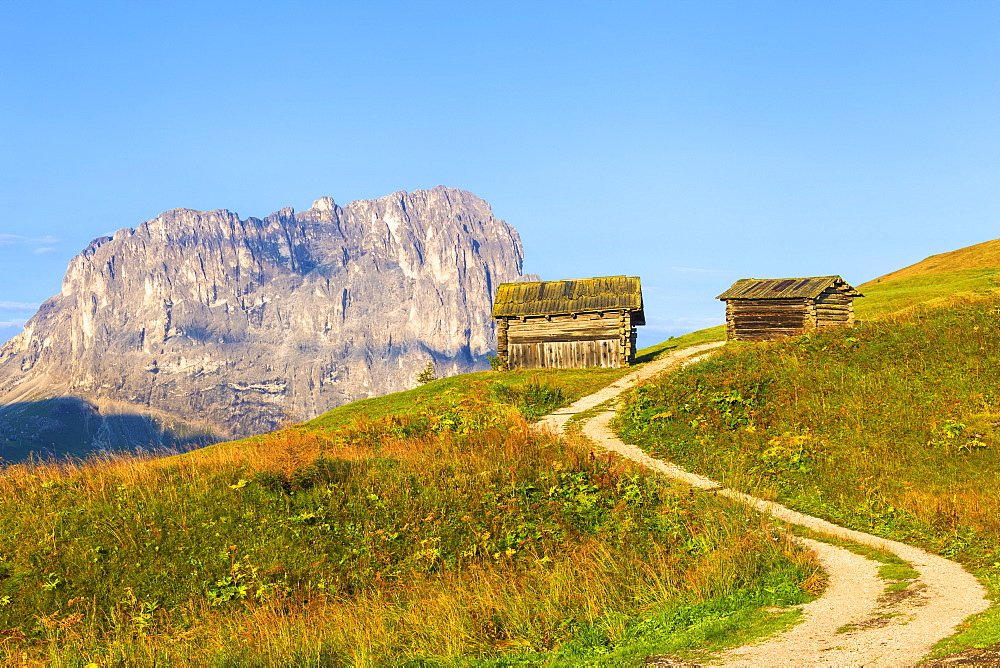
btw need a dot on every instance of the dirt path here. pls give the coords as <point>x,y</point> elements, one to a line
<point>854,623</point>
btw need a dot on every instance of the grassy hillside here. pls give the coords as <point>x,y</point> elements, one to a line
<point>969,273</point>
<point>884,297</point>
<point>426,528</point>
<point>892,428</point>
<point>980,256</point>
<point>534,393</point>
<point>45,428</point>
<point>717,333</point>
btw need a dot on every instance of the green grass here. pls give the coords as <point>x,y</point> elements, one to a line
<point>897,572</point>
<point>883,298</point>
<point>892,429</point>
<point>695,632</point>
<point>575,424</point>
<point>571,383</point>
<point>533,393</point>
<point>893,569</point>
<point>70,432</point>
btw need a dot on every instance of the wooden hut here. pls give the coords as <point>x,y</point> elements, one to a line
<point>761,309</point>
<point>568,324</point>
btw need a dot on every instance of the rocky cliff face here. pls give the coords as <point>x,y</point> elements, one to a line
<point>233,326</point>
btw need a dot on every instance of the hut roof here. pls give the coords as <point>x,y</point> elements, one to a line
<point>785,288</point>
<point>580,295</point>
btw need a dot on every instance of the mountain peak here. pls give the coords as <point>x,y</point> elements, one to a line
<point>324,204</point>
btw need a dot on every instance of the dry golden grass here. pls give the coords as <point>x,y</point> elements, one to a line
<point>453,535</point>
<point>980,256</point>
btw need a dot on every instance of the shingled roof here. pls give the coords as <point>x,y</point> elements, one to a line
<point>580,295</point>
<point>785,288</point>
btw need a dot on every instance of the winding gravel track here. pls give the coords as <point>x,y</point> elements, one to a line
<point>854,622</point>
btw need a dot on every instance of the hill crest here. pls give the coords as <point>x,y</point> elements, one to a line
<point>985,255</point>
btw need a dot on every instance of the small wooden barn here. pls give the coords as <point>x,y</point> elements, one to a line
<point>761,309</point>
<point>570,324</point>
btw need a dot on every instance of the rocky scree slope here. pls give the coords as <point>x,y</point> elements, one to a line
<point>210,327</point>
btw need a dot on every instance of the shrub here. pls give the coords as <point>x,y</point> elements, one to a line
<point>427,375</point>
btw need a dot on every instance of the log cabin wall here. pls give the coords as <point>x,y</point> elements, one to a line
<point>567,341</point>
<point>834,308</point>
<point>770,308</point>
<point>626,338</point>
<point>766,319</point>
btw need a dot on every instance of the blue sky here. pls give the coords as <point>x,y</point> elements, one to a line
<point>690,143</point>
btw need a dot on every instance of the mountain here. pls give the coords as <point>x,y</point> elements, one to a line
<point>195,327</point>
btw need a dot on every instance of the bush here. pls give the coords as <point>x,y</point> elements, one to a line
<point>427,375</point>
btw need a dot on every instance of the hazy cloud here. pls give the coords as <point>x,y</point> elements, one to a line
<point>16,322</point>
<point>21,240</point>
<point>18,306</point>
<point>44,249</point>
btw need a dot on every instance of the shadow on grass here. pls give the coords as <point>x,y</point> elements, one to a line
<point>73,427</point>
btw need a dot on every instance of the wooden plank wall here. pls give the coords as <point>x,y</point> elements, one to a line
<point>567,341</point>
<point>564,354</point>
<point>588,327</point>
<point>765,319</point>
<point>768,319</point>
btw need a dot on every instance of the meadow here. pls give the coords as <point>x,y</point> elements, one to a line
<point>433,527</point>
<point>428,528</point>
<point>892,427</point>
